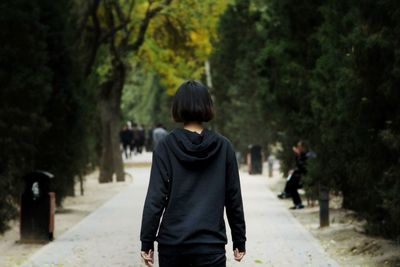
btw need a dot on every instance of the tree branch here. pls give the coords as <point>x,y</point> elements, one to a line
<point>150,13</point>
<point>96,39</point>
<point>84,22</point>
<point>121,16</point>
<point>113,31</point>
<point>110,20</point>
<point>101,37</point>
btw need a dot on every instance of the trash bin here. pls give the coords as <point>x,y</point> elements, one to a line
<point>37,208</point>
<point>255,160</point>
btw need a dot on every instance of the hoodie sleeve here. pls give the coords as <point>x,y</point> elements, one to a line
<point>234,204</point>
<point>156,200</point>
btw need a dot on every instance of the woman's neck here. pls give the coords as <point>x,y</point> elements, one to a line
<point>194,127</point>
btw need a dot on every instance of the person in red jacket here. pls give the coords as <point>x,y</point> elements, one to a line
<point>194,177</point>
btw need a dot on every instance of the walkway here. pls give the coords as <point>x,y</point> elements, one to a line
<point>109,237</point>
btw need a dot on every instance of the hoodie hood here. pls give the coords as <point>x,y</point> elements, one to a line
<point>192,147</point>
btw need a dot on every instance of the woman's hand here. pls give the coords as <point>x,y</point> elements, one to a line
<point>238,255</point>
<point>148,257</point>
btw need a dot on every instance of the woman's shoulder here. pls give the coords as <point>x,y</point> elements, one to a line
<point>222,137</point>
<point>176,134</point>
<point>224,140</point>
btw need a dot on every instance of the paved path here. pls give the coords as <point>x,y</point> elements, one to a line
<point>109,237</point>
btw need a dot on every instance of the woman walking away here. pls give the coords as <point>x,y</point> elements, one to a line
<point>194,175</point>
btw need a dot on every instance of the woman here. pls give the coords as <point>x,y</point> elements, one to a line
<point>194,175</point>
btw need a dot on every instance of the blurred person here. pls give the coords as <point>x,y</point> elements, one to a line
<point>293,182</point>
<point>194,176</point>
<point>159,133</point>
<point>271,160</point>
<point>149,140</point>
<point>126,138</point>
<point>136,138</point>
<point>141,138</point>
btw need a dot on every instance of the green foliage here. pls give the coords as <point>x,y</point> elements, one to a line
<point>286,61</point>
<point>145,100</point>
<point>355,116</point>
<point>235,78</point>
<point>25,79</point>
<point>326,72</point>
<point>45,115</point>
<point>177,44</point>
<point>178,41</point>
<point>64,149</point>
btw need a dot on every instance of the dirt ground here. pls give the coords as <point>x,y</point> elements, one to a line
<point>74,210</point>
<point>345,239</point>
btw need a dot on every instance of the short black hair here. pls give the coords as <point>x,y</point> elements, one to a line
<point>192,103</point>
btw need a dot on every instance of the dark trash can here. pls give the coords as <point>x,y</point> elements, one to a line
<point>37,208</point>
<point>255,159</point>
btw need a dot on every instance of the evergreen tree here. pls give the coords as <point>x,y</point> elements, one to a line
<point>64,148</point>
<point>287,60</point>
<point>25,78</point>
<point>328,73</point>
<point>235,80</point>
<point>46,112</point>
<point>354,109</point>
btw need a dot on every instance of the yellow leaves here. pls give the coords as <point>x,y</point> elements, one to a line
<point>141,8</point>
<point>200,41</point>
<point>172,69</point>
<point>194,36</point>
<point>178,41</point>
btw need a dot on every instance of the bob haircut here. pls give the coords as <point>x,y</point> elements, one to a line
<point>192,103</point>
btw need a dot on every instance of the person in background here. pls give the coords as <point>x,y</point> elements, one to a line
<point>194,177</point>
<point>158,134</point>
<point>136,138</point>
<point>126,138</point>
<point>141,139</point>
<point>131,144</point>
<point>149,140</point>
<point>271,160</point>
<point>293,182</point>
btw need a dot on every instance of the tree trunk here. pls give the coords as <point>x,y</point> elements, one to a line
<point>81,187</point>
<point>110,114</point>
<point>71,189</point>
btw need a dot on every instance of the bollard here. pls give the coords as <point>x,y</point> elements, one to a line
<point>270,166</point>
<point>270,170</point>
<point>323,206</point>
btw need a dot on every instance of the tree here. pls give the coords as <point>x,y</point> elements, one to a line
<point>328,73</point>
<point>64,149</point>
<point>354,91</point>
<point>178,43</point>
<point>235,77</point>
<point>287,59</point>
<point>112,26</point>
<point>44,123</point>
<point>25,79</point>
<point>262,66</point>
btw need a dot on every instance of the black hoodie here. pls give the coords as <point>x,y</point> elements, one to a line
<point>193,177</point>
